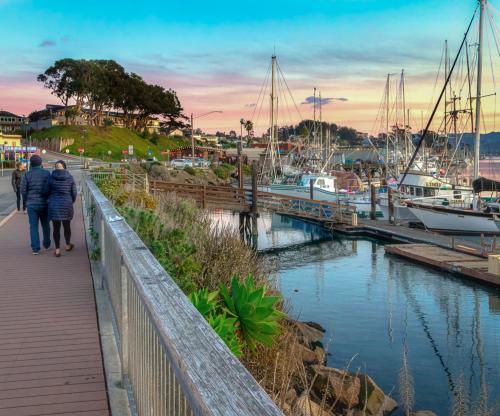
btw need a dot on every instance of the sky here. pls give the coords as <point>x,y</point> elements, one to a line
<point>215,55</point>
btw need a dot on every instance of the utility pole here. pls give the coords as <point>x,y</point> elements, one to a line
<point>192,138</point>
<point>477,141</point>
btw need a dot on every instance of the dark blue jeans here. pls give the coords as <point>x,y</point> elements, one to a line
<point>39,214</point>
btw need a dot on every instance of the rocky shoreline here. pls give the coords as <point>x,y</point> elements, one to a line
<point>332,391</point>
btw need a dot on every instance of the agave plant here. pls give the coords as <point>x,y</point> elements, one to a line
<point>255,312</point>
<point>207,304</point>
<point>204,301</point>
<point>226,328</point>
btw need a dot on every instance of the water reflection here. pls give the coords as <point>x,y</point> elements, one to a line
<point>374,307</point>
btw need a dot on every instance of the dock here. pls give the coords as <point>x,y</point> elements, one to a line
<point>446,260</point>
<point>403,234</point>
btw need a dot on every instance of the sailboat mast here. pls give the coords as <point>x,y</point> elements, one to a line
<point>477,141</point>
<point>321,129</point>
<point>445,99</point>
<point>387,127</point>
<point>273,115</point>
<point>314,118</point>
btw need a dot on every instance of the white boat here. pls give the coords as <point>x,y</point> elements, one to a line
<point>455,221</point>
<point>422,187</point>
<point>460,220</point>
<point>324,189</point>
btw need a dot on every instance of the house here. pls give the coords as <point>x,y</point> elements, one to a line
<point>176,132</point>
<point>55,115</point>
<point>10,122</point>
<point>10,140</point>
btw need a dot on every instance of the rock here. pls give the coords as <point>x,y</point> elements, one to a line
<point>291,396</point>
<point>307,335</point>
<point>321,354</point>
<point>423,413</point>
<point>315,325</point>
<point>286,409</point>
<point>372,396</point>
<point>308,356</point>
<point>337,385</point>
<point>306,407</point>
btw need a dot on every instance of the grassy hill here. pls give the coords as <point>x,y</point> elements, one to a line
<point>100,140</point>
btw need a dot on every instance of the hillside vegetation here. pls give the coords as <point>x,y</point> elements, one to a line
<point>100,140</point>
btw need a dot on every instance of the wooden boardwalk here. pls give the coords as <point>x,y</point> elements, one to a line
<point>50,354</point>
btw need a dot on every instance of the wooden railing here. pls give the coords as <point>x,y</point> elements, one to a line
<point>229,198</point>
<point>205,196</point>
<point>172,360</point>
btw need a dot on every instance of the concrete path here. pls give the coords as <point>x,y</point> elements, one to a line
<point>50,353</point>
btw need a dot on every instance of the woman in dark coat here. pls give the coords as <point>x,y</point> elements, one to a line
<point>61,197</point>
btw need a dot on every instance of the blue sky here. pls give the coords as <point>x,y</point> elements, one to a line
<point>215,54</point>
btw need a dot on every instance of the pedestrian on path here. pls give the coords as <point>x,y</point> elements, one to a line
<point>33,188</point>
<point>17,176</point>
<point>61,191</point>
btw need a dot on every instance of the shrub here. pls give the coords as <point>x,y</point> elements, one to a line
<point>189,169</point>
<point>257,317</point>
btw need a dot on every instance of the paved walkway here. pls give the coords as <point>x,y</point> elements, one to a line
<point>50,355</point>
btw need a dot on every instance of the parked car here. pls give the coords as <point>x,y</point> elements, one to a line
<point>181,163</point>
<point>202,163</point>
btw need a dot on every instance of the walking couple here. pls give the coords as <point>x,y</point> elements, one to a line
<point>49,197</point>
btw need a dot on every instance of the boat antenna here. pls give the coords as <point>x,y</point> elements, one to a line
<point>426,130</point>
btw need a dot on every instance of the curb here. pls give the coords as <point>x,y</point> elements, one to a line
<point>8,217</point>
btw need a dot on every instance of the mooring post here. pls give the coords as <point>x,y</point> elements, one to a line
<point>255,201</point>
<point>311,188</point>
<point>240,165</point>
<point>494,244</point>
<point>482,240</point>
<point>391,205</point>
<point>452,242</point>
<point>373,201</point>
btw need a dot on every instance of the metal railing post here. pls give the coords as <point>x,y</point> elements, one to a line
<point>124,329</point>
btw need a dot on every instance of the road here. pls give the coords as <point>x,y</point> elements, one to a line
<point>7,195</point>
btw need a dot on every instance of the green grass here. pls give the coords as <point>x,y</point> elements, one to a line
<point>100,140</point>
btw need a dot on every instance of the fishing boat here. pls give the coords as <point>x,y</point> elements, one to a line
<point>477,218</point>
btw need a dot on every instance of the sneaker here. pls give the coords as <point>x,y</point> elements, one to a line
<point>36,253</point>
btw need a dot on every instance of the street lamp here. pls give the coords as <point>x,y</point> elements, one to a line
<point>84,137</point>
<point>192,128</point>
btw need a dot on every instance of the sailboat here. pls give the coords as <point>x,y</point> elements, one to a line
<point>475,219</point>
<point>295,176</point>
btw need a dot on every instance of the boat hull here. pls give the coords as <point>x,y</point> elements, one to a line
<point>456,221</point>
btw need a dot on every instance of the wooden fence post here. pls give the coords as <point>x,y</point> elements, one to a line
<point>391,205</point>
<point>373,201</point>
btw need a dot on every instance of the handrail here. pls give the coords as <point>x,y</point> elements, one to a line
<point>173,361</point>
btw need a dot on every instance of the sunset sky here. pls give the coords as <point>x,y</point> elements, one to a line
<point>215,54</point>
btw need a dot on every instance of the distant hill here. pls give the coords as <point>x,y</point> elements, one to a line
<point>100,140</point>
<point>490,142</point>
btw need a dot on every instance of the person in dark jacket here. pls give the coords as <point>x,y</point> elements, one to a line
<point>33,186</point>
<point>17,176</point>
<point>61,189</point>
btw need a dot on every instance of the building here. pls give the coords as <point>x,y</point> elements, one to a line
<point>176,132</point>
<point>55,115</point>
<point>10,123</point>
<point>10,140</point>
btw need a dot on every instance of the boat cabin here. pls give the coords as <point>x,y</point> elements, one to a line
<point>325,182</point>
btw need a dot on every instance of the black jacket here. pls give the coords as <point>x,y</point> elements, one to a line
<point>33,186</point>
<point>61,190</point>
<point>17,176</point>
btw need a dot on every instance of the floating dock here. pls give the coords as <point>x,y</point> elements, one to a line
<point>447,260</point>
<point>404,234</point>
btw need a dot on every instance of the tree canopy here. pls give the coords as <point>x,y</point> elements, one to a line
<point>99,86</point>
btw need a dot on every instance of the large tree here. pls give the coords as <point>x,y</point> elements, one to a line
<point>98,86</point>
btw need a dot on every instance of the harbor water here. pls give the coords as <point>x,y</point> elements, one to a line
<point>374,305</point>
